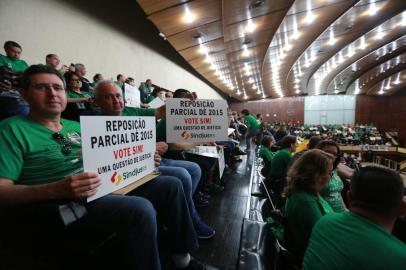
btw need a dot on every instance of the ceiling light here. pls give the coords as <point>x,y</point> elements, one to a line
<point>246,52</point>
<point>403,21</point>
<point>372,9</point>
<point>363,45</point>
<point>256,4</point>
<point>297,91</point>
<point>188,17</point>
<point>332,39</point>
<point>296,35</point>
<point>310,17</point>
<point>350,51</point>
<point>380,33</point>
<point>250,27</point>
<point>397,81</point>
<point>288,46</point>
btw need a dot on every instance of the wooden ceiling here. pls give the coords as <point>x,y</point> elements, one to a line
<point>255,49</point>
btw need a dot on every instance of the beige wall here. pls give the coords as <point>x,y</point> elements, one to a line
<point>49,26</point>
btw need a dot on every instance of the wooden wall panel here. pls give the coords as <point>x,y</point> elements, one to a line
<point>387,113</point>
<point>279,110</point>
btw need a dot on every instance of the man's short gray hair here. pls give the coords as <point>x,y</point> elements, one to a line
<point>101,83</point>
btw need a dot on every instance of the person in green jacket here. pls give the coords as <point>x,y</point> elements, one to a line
<point>12,58</point>
<point>361,238</point>
<point>332,192</point>
<point>265,151</point>
<point>253,128</point>
<point>282,157</point>
<point>304,204</point>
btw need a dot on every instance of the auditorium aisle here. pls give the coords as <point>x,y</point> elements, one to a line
<point>225,213</point>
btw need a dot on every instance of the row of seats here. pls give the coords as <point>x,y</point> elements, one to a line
<point>259,249</point>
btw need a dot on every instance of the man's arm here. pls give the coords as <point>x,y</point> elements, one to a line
<point>78,186</point>
<point>160,112</point>
<point>182,146</point>
<point>75,100</point>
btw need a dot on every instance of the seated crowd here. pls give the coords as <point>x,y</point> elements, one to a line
<point>41,175</point>
<point>324,227</point>
<point>42,170</point>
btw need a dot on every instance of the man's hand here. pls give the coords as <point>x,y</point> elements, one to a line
<point>144,105</point>
<point>64,68</point>
<point>88,99</point>
<point>5,85</point>
<point>78,186</point>
<point>157,159</point>
<point>161,148</point>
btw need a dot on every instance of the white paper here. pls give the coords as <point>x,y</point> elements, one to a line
<point>196,121</point>
<point>121,154</point>
<point>156,103</point>
<point>132,96</point>
<point>210,151</point>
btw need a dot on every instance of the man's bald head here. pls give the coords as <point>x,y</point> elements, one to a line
<point>109,97</point>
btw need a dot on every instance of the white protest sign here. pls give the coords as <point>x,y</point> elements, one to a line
<point>119,148</point>
<point>210,151</point>
<point>156,103</point>
<point>196,121</point>
<point>132,96</point>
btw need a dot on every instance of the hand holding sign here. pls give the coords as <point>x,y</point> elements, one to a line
<point>196,120</point>
<point>77,186</point>
<point>120,149</point>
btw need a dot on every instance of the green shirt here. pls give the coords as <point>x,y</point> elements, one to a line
<point>119,84</point>
<point>280,162</point>
<point>251,122</point>
<point>266,154</point>
<point>161,130</point>
<point>332,193</point>
<point>29,155</point>
<point>15,65</point>
<point>303,210</point>
<point>150,98</point>
<point>73,94</point>
<point>351,242</point>
<point>130,111</point>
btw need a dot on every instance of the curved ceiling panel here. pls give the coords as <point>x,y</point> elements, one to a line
<point>253,49</point>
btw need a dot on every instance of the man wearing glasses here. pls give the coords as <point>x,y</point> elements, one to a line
<point>41,169</point>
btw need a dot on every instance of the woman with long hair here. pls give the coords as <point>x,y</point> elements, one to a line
<point>304,204</point>
<point>332,192</point>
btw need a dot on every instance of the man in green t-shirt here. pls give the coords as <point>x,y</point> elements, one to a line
<point>12,58</point>
<point>11,102</point>
<point>361,238</point>
<point>111,102</point>
<point>120,81</point>
<point>41,170</point>
<point>253,127</point>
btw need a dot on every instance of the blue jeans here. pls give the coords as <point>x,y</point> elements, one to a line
<point>132,217</point>
<point>192,168</point>
<point>189,173</point>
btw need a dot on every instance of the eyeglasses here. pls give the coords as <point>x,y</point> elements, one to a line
<point>66,148</point>
<point>46,86</point>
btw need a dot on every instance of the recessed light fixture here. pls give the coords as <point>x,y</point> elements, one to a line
<point>310,17</point>
<point>188,16</point>
<point>256,4</point>
<point>372,9</point>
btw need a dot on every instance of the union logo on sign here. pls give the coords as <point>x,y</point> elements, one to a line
<point>116,178</point>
